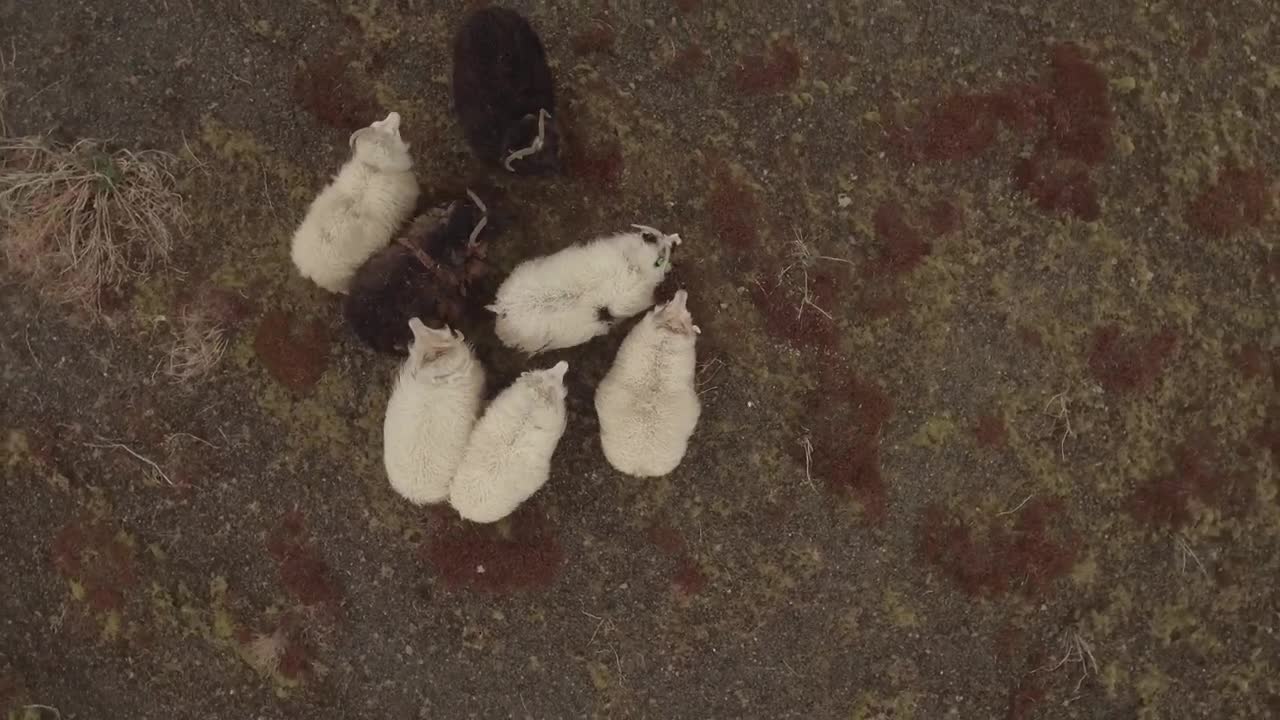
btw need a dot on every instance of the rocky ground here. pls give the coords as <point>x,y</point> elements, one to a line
<point>989,367</point>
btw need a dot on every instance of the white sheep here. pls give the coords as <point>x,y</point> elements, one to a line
<point>509,455</point>
<point>568,297</point>
<point>357,213</point>
<point>647,403</point>
<point>431,413</point>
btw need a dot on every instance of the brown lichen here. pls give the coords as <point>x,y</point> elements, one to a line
<point>296,359</point>
<point>1124,363</point>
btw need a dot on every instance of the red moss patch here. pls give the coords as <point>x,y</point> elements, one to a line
<point>848,421</point>
<point>1026,557</point>
<point>734,212</point>
<point>1268,436</point>
<point>303,572</point>
<point>295,358</point>
<point>773,71</point>
<point>1250,360</point>
<point>1165,500</point>
<point>327,89</point>
<point>1058,186</point>
<point>964,126</point>
<point>295,661</point>
<point>687,63</point>
<point>1078,125</point>
<point>1126,363</point>
<point>879,300</point>
<point>1199,50</point>
<point>1074,110</point>
<point>688,579</point>
<point>1240,199</point>
<point>944,218</point>
<point>990,431</point>
<point>1024,699</point>
<point>95,554</point>
<point>1079,111</point>
<point>688,6</point>
<point>783,316</point>
<point>597,39</point>
<point>667,539</point>
<point>223,305</point>
<point>522,553</point>
<point>1030,337</point>
<point>900,247</point>
<point>600,165</point>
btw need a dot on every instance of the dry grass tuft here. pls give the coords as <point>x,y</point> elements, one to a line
<point>803,256</point>
<point>80,220</point>
<point>264,652</point>
<point>199,343</point>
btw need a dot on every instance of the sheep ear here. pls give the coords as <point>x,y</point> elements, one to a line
<point>418,328</point>
<point>679,301</point>
<point>389,124</point>
<point>559,369</point>
<point>429,337</point>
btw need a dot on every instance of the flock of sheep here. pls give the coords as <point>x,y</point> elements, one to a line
<point>439,444</point>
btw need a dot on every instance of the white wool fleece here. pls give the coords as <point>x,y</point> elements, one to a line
<point>431,413</point>
<point>555,301</point>
<point>647,404</point>
<point>509,456</point>
<point>357,213</point>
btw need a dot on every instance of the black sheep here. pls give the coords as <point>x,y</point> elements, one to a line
<point>425,273</point>
<point>504,94</point>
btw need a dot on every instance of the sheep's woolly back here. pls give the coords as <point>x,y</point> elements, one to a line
<point>431,413</point>
<point>647,404</point>
<point>556,301</point>
<point>357,213</point>
<point>509,455</point>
